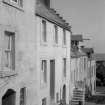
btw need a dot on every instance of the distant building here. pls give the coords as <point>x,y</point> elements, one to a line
<point>91,71</point>
<point>100,69</point>
<point>78,66</point>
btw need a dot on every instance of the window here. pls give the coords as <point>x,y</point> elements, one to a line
<point>44,101</point>
<point>57,97</point>
<point>44,71</point>
<point>22,96</point>
<point>84,63</point>
<point>64,67</point>
<point>9,39</point>
<point>56,34</point>
<point>19,2</point>
<point>64,37</point>
<point>16,1</point>
<point>44,33</point>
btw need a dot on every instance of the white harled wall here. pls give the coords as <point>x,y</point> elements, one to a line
<point>22,22</point>
<point>49,51</point>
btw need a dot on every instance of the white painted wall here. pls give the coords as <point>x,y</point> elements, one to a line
<point>21,21</point>
<point>51,51</point>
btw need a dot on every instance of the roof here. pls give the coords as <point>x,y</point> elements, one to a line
<point>87,50</point>
<point>76,38</point>
<point>77,54</point>
<point>99,57</point>
<point>51,15</point>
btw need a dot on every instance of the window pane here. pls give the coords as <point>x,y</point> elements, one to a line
<point>64,37</point>
<point>64,67</point>
<point>9,39</point>
<point>44,36</point>
<point>14,0</point>
<point>22,96</point>
<point>21,3</point>
<point>56,34</point>
<point>44,70</point>
<point>44,101</point>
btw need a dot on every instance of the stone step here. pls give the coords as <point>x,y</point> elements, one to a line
<point>78,98</point>
<point>78,95</point>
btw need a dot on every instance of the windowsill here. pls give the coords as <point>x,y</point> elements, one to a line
<point>13,4</point>
<point>6,72</point>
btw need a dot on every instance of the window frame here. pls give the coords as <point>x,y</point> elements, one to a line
<point>64,38</point>
<point>14,1</point>
<point>9,52</point>
<point>56,38</point>
<point>18,5</point>
<point>44,31</point>
<point>23,95</point>
<point>44,101</point>
<point>43,71</point>
<point>64,67</point>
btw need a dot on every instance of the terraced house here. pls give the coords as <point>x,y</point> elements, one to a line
<point>18,76</point>
<point>34,54</point>
<point>78,70</point>
<point>53,55</point>
<point>91,71</point>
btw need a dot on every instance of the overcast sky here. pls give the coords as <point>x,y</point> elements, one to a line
<point>86,17</point>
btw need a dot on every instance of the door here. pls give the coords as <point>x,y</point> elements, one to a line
<point>52,79</point>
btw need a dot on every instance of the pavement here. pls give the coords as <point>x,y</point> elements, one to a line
<point>99,97</point>
<point>89,103</point>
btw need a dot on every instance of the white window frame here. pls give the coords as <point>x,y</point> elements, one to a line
<point>23,95</point>
<point>44,31</point>
<point>14,1</point>
<point>18,3</point>
<point>56,38</point>
<point>64,38</point>
<point>64,67</point>
<point>9,52</point>
<point>43,71</point>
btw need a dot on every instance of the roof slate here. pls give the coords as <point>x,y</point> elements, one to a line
<point>51,15</point>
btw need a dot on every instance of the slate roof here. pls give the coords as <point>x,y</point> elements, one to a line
<point>87,50</point>
<point>76,38</point>
<point>51,15</point>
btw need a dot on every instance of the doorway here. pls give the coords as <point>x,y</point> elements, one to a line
<point>52,79</point>
<point>9,97</point>
<point>64,93</point>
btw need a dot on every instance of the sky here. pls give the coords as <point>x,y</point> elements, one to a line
<point>87,17</point>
